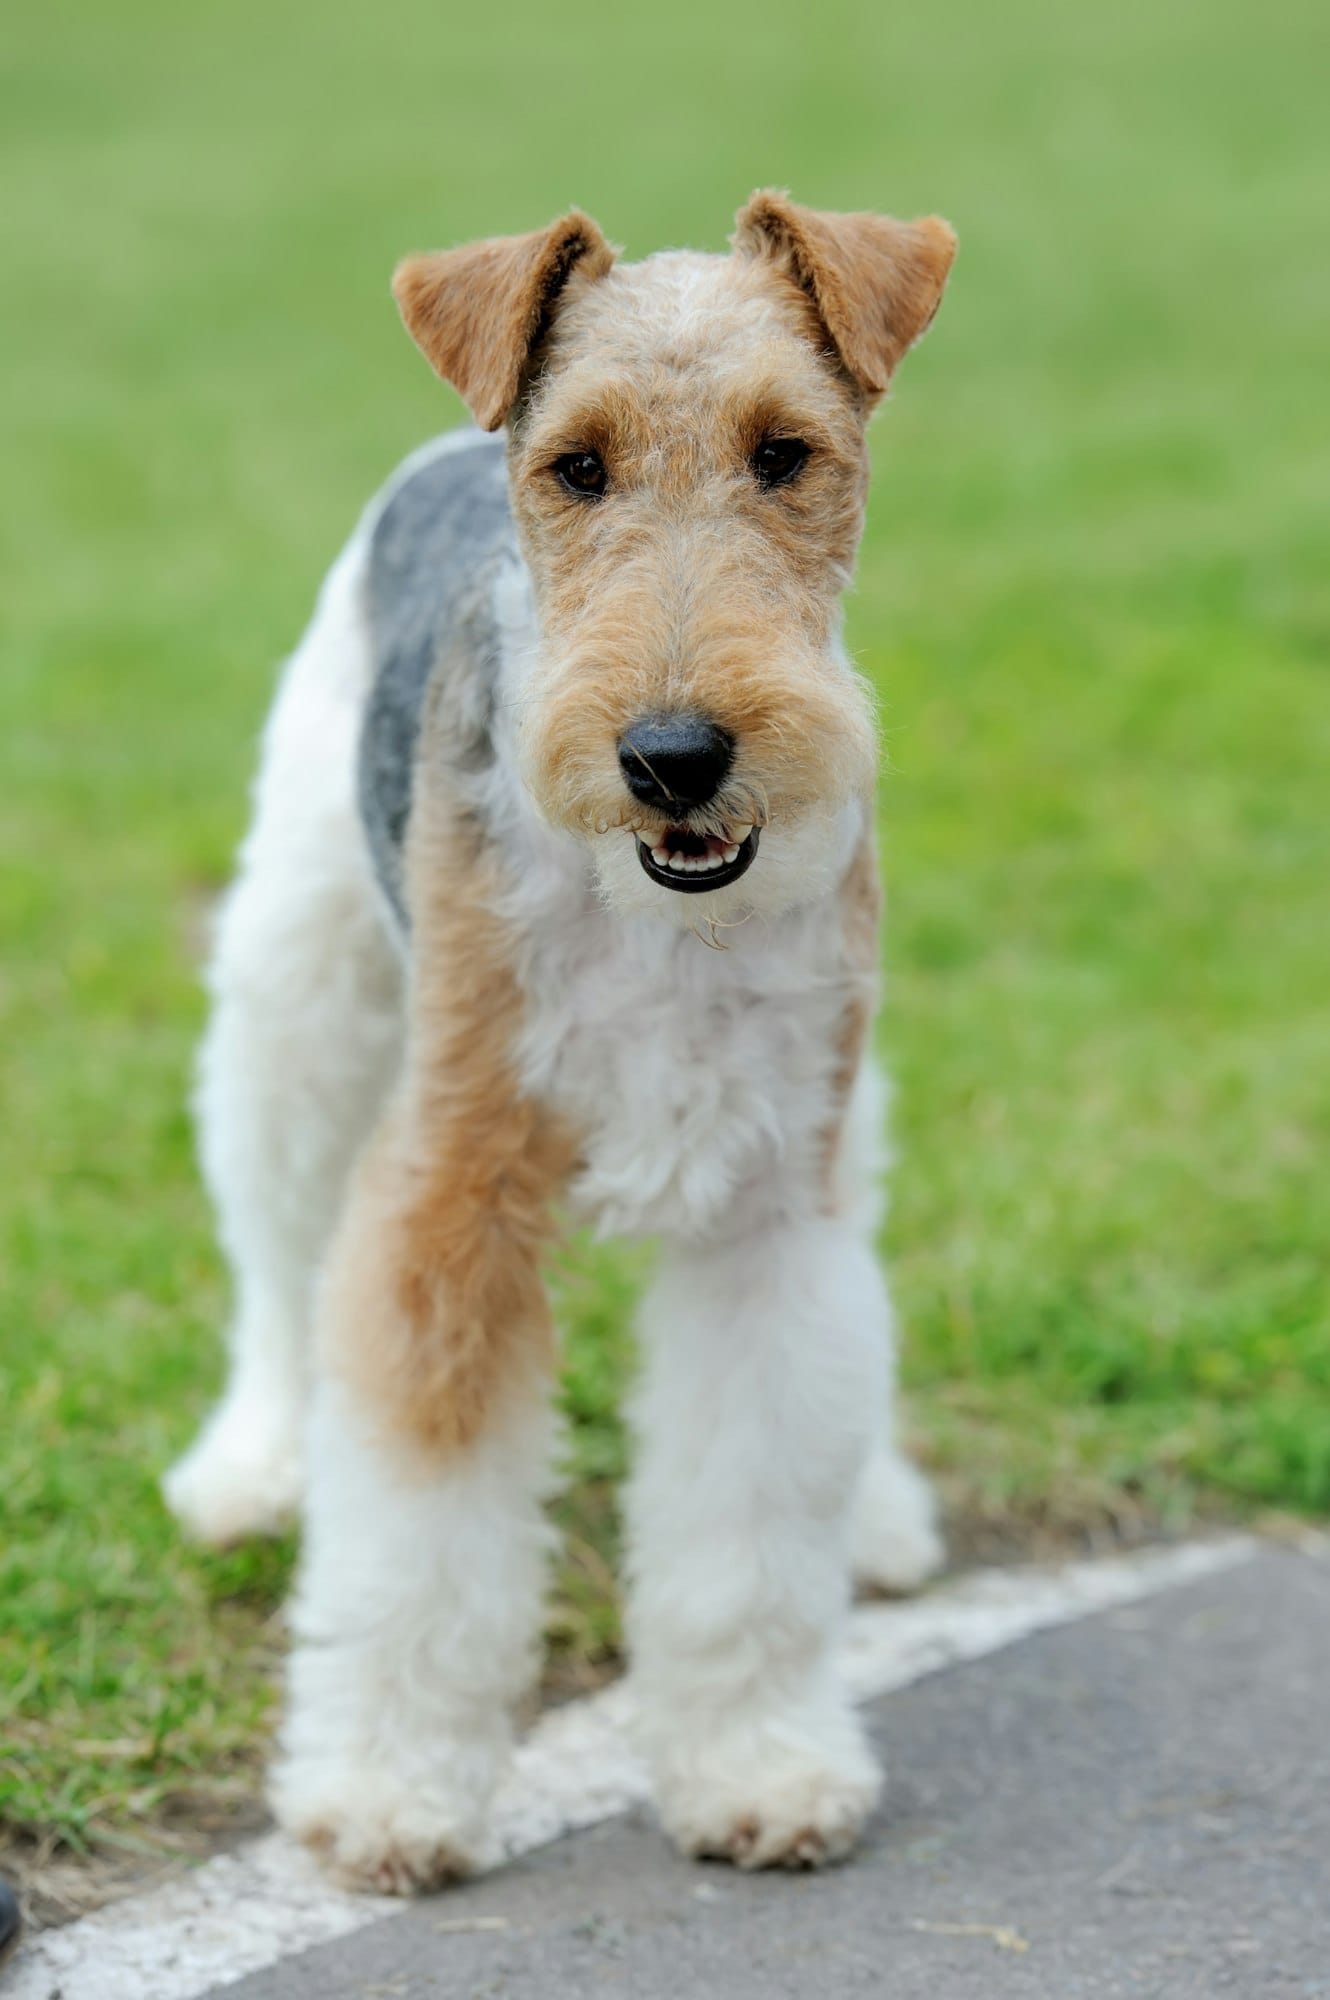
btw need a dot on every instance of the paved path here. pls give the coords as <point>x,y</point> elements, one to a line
<point>1136,1803</point>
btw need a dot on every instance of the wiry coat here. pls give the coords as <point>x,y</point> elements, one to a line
<point>455,1002</point>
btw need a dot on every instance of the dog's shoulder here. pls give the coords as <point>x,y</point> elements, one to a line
<point>442,531</point>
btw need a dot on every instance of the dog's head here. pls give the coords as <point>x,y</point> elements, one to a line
<point>688,473</point>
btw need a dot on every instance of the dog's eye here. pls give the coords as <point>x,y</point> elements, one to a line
<point>582,472</point>
<point>777,460</point>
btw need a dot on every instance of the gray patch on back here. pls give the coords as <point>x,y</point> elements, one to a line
<point>433,556</point>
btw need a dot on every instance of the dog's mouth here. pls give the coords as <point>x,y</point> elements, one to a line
<point>694,863</point>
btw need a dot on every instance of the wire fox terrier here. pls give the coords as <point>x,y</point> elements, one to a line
<point>574,706</point>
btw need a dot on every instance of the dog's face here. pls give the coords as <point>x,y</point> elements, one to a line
<point>688,473</point>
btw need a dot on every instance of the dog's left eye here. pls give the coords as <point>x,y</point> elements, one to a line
<point>582,472</point>
<point>777,460</point>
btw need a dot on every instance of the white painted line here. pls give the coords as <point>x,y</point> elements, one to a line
<point>890,1645</point>
<point>243,1911</point>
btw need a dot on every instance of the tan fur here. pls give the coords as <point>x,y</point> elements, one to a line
<point>478,312</point>
<point>876,282</point>
<point>434,1304</point>
<point>693,590</point>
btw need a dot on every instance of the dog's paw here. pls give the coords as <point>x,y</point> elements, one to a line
<point>242,1477</point>
<point>376,1835</point>
<point>895,1543</point>
<point>768,1798</point>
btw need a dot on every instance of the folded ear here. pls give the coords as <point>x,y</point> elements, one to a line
<point>476,313</point>
<point>876,282</point>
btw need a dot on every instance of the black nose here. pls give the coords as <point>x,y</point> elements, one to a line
<point>674,760</point>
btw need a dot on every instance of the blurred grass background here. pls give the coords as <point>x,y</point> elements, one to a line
<point>1094,595</point>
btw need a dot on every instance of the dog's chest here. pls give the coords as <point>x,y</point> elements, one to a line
<point>700,1081</point>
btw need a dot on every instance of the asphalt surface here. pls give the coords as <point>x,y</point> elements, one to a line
<point>1136,1805</point>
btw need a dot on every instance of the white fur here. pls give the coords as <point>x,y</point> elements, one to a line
<point>304,1032</point>
<point>766,1361</point>
<point>703,1082</point>
<point>416,1622</point>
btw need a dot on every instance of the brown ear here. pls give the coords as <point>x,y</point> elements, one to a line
<point>876,282</point>
<point>476,313</point>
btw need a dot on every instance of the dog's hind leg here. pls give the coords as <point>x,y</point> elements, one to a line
<point>304,1033</point>
<point>895,1542</point>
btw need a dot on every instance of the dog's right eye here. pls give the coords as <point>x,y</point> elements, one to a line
<point>778,460</point>
<point>582,473</point>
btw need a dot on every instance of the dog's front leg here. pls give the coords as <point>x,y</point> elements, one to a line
<point>417,1610</point>
<point>764,1374</point>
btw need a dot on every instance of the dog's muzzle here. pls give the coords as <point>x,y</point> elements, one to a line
<point>696,863</point>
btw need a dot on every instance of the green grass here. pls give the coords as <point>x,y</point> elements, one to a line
<point>1094,596</point>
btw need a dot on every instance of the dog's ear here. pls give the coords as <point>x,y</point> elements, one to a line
<point>476,313</point>
<point>875,282</point>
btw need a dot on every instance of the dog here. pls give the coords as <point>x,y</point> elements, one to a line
<point>560,902</point>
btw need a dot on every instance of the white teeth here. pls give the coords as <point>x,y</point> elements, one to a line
<point>740,833</point>
<point>691,864</point>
